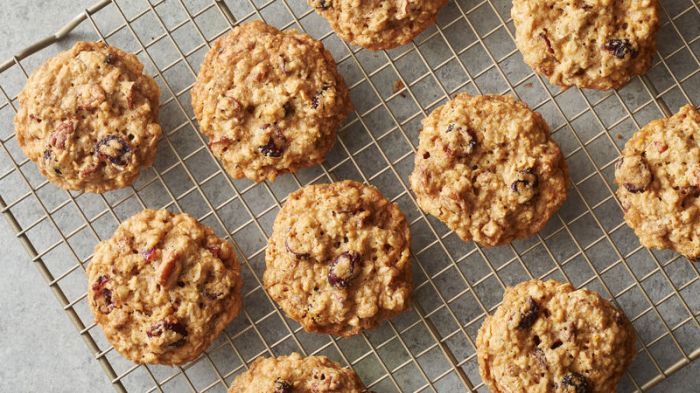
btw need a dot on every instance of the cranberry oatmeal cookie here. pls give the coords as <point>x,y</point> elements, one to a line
<point>338,258</point>
<point>659,183</point>
<point>269,101</point>
<point>297,374</point>
<point>597,44</point>
<point>88,118</point>
<point>376,24</point>
<point>163,287</point>
<point>547,337</point>
<point>487,167</point>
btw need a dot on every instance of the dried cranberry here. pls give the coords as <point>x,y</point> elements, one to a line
<point>149,255</point>
<point>324,4</point>
<point>288,108</point>
<point>527,183</point>
<point>634,189</point>
<point>100,283</point>
<point>342,279</point>
<point>528,318</point>
<point>578,382</point>
<point>301,255</point>
<point>177,327</point>
<point>214,250</point>
<point>223,141</point>
<point>270,149</point>
<point>619,48</point>
<point>688,195</point>
<point>113,148</point>
<point>47,154</point>
<point>460,144</point>
<point>282,386</point>
<point>108,305</point>
<point>157,328</point>
<point>61,134</point>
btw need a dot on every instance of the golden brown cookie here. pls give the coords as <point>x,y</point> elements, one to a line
<point>88,118</point>
<point>269,101</point>
<point>163,287</point>
<point>597,44</point>
<point>376,24</point>
<point>338,258</point>
<point>487,167</point>
<point>659,183</point>
<point>547,337</point>
<point>297,374</point>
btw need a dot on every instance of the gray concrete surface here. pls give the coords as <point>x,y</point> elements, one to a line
<point>39,348</point>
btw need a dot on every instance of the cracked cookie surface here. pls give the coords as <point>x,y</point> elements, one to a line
<point>658,180</point>
<point>597,44</point>
<point>269,101</point>
<point>376,24</point>
<point>338,258</point>
<point>547,337</point>
<point>487,167</point>
<point>163,287</point>
<point>88,118</point>
<point>297,374</point>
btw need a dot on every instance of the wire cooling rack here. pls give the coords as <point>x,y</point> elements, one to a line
<point>430,347</point>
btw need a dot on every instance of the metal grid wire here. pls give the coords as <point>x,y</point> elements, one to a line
<point>431,347</point>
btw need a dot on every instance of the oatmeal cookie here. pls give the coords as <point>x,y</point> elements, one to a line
<point>163,287</point>
<point>269,101</point>
<point>487,167</point>
<point>376,24</point>
<point>547,337</point>
<point>338,258</point>
<point>297,374</point>
<point>659,183</point>
<point>597,44</point>
<point>88,118</point>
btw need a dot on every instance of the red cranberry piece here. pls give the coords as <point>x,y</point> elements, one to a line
<point>100,283</point>
<point>342,269</point>
<point>114,149</point>
<point>529,317</point>
<point>619,48</point>
<point>157,328</point>
<point>578,382</point>
<point>276,142</point>
<point>300,255</point>
<point>149,255</point>
<point>176,327</point>
<point>547,42</point>
<point>215,250</point>
<point>282,386</point>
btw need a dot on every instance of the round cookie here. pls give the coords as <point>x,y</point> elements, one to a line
<point>88,118</point>
<point>597,44</point>
<point>163,287</point>
<point>487,167</point>
<point>378,24</point>
<point>269,101</point>
<point>548,337</point>
<point>297,374</point>
<point>338,258</point>
<point>659,183</point>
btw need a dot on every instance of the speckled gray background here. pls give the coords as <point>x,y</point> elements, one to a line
<point>39,348</point>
